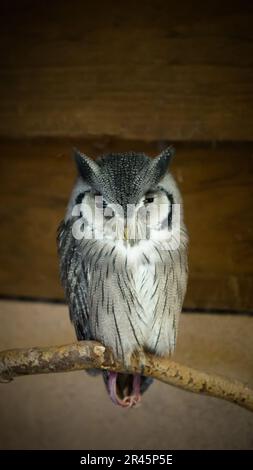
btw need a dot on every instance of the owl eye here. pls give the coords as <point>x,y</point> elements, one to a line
<point>109,213</point>
<point>100,202</point>
<point>149,199</point>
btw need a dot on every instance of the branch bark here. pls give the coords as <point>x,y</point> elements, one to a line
<point>90,354</point>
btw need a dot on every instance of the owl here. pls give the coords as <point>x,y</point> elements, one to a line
<point>123,260</point>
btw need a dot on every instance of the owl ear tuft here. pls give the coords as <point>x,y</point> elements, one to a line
<point>162,161</point>
<point>87,168</point>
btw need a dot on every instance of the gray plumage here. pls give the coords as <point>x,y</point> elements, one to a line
<point>126,294</point>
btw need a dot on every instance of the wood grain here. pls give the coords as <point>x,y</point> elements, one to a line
<point>36,179</point>
<point>132,70</point>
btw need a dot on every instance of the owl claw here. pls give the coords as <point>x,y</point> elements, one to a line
<point>129,401</point>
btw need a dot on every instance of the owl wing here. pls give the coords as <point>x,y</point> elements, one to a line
<point>74,279</point>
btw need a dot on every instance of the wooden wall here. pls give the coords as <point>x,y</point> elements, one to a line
<point>128,76</point>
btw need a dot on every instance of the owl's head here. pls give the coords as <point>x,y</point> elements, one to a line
<point>130,193</point>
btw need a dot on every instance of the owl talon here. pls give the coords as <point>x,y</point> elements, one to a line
<point>131,401</point>
<point>128,401</point>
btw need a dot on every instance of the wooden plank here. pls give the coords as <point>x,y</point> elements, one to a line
<point>132,70</point>
<point>37,176</point>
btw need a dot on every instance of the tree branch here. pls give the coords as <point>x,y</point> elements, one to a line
<point>90,354</point>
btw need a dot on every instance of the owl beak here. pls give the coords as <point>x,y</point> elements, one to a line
<point>125,233</point>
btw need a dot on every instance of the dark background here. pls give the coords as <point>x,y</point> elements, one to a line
<point>119,76</point>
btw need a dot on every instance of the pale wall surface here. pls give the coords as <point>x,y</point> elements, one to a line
<point>73,411</point>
